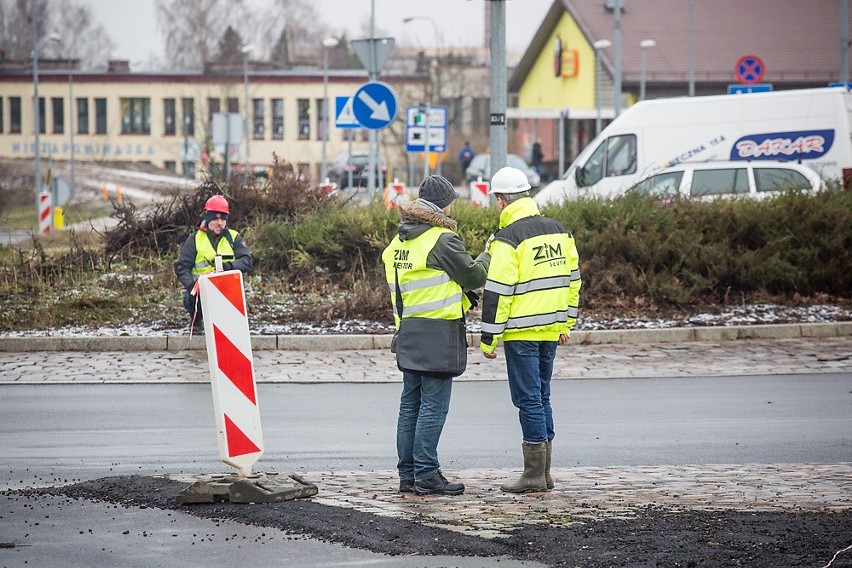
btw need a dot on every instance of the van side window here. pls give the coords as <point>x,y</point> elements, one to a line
<point>777,179</point>
<point>660,185</point>
<point>621,155</point>
<point>718,182</point>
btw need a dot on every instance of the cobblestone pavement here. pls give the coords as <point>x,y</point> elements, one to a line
<point>740,357</point>
<point>581,493</point>
<point>587,493</point>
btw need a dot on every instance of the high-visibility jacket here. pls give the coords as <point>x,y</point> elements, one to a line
<point>533,287</point>
<point>425,292</point>
<point>205,254</point>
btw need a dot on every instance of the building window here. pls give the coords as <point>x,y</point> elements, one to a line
<point>259,118</point>
<point>169,111</point>
<point>82,116</point>
<point>136,116</point>
<point>170,165</point>
<point>278,119</point>
<point>304,119</point>
<point>100,116</point>
<point>14,115</point>
<point>212,108</point>
<point>58,111</point>
<point>234,105</point>
<point>188,107</point>
<point>189,170</point>
<point>41,116</point>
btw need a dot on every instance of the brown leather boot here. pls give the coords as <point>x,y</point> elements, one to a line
<point>532,479</point>
<point>547,478</point>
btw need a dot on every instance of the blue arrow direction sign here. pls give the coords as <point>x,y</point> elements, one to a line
<point>374,105</point>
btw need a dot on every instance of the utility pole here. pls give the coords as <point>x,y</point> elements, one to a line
<point>499,95</point>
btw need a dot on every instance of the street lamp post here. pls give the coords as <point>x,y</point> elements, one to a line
<point>71,107</point>
<point>327,44</point>
<point>433,67</point>
<point>599,45</point>
<point>37,45</point>
<point>246,50</point>
<point>645,44</point>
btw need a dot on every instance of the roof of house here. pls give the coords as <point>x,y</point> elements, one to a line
<point>798,41</point>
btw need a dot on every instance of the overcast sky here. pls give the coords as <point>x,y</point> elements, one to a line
<point>133,25</point>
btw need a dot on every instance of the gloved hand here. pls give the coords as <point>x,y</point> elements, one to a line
<point>227,265</point>
<point>473,297</point>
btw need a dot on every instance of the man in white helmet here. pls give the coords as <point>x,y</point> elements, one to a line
<point>531,298</point>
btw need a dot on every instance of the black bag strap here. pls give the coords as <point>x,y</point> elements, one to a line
<point>398,292</point>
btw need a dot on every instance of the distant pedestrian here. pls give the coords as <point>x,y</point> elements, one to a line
<point>537,157</point>
<point>430,275</point>
<point>466,155</point>
<point>531,299</point>
<point>201,249</point>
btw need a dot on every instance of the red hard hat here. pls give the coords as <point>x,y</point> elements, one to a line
<point>218,204</point>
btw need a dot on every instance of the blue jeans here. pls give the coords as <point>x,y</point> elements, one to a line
<point>530,366</point>
<point>423,410</point>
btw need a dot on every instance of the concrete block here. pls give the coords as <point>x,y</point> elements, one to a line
<point>185,343</point>
<point>23,344</point>
<point>769,331</point>
<point>384,341</point>
<point>264,342</point>
<point>716,334</point>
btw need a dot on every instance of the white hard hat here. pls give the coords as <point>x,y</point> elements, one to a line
<point>509,180</point>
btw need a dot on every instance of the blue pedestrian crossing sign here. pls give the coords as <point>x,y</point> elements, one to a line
<point>343,115</point>
<point>375,105</point>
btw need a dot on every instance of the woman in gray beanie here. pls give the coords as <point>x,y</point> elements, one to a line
<point>430,275</point>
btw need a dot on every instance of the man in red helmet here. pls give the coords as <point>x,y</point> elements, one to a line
<point>199,252</point>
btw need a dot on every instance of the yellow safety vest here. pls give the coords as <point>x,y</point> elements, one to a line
<point>425,292</point>
<point>205,254</point>
<point>533,287</point>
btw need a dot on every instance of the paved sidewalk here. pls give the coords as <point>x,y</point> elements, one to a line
<point>740,357</point>
<point>590,493</point>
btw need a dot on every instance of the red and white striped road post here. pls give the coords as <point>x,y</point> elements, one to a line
<point>479,193</point>
<point>45,219</point>
<point>223,303</point>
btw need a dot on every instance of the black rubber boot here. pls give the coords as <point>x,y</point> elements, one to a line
<point>438,485</point>
<point>406,485</point>
<point>535,458</point>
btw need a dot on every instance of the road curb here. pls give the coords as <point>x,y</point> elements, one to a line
<point>365,342</point>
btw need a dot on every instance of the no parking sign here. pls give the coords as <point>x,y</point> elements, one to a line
<point>749,70</point>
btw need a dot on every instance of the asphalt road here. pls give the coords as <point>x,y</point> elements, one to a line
<point>57,433</point>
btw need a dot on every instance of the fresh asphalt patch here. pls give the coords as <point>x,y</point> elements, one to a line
<point>653,536</point>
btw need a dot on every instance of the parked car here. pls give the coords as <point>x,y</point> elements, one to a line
<point>480,167</point>
<point>338,171</point>
<point>710,180</point>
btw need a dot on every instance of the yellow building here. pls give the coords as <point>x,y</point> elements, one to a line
<point>166,118</point>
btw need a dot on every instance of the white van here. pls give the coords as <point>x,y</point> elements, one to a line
<point>811,126</point>
<point>711,180</point>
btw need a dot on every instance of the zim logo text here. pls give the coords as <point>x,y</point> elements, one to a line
<point>548,253</point>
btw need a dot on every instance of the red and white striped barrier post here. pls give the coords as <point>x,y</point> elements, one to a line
<point>45,220</point>
<point>479,193</point>
<point>223,303</point>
